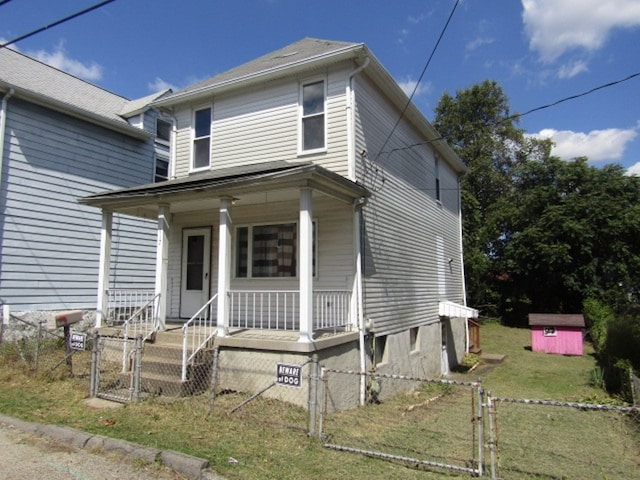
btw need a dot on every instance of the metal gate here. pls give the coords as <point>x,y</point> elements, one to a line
<point>115,369</point>
<point>437,423</point>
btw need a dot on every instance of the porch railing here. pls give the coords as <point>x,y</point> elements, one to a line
<point>280,310</point>
<point>197,332</point>
<point>123,303</point>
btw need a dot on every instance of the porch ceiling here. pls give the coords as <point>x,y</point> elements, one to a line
<point>250,184</point>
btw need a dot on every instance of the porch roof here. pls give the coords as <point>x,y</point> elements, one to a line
<point>234,182</point>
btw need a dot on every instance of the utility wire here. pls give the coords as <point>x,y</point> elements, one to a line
<point>415,89</point>
<point>516,116</point>
<point>56,23</point>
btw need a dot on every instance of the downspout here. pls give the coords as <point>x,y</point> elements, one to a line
<point>351,124</point>
<point>464,282</point>
<point>3,126</point>
<point>357,223</point>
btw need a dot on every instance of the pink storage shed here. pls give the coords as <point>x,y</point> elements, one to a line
<point>553,333</point>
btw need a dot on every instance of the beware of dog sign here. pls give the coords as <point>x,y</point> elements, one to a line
<point>290,375</point>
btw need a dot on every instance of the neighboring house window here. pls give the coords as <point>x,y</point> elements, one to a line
<point>312,122</point>
<point>201,138</point>
<point>437,175</point>
<point>267,251</point>
<point>161,168</point>
<point>163,130</point>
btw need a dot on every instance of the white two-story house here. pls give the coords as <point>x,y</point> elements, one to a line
<point>310,209</point>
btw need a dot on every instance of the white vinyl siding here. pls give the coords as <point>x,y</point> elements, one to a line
<point>404,278</point>
<point>50,243</point>
<point>261,125</point>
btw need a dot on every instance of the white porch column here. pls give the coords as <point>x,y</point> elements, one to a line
<point>224,266</point>
<point>306,265</point>
<point>162,264</point>
<point>104,266</point>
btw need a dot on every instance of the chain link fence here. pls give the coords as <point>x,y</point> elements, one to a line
<point>432,423</point>
<point>39,349</point>
<point>549,439</point>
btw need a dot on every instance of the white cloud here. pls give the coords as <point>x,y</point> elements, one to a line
<point>59,58</point>
<point>634,170</point>
<point>557,26</point>
<point>477,43</point>
<point>597,145</point>
<point>159,85</point>
<point>409,85</point>
<point>572,69</point>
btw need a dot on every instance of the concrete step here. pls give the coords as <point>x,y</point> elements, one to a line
<point>493,357</point>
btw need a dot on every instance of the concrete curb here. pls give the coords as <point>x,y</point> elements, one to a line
<point>193,468</point>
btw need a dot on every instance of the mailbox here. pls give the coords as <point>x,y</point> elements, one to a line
<point>67,318</point>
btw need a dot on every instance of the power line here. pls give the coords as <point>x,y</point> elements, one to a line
<point>404,110</point>
<point>56,23</point>
<point>533,110</point>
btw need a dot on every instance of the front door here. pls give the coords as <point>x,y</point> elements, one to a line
<point>196,261</point>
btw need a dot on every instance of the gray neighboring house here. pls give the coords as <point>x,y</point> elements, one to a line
<point>62,138</point>
<point>296,222</point>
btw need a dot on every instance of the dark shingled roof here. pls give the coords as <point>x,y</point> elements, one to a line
<point>556,320</point>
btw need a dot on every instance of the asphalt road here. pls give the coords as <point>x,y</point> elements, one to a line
<point>27,456</point>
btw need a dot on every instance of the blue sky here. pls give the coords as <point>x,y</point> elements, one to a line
<point>539,51</point>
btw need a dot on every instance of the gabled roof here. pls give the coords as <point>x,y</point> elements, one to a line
<point>302,58</point>
<point>556,320</point>
<point>284,61</point>
<point>44,85</point>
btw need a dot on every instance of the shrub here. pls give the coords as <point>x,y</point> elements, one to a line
<point>599,316</point>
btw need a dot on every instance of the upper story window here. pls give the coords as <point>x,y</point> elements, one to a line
<point>163,130</point>
<point>312,124</point>
<point>161,168</point>
<point>201,153</point>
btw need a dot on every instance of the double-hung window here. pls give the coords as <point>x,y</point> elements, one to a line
<point>268,251</point>
<point>201,154</point>
<point>312,116</point>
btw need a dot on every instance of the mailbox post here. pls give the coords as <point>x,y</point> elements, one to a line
<point>65,320</point>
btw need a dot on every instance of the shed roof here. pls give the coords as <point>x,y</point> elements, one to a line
<point>556,320</point>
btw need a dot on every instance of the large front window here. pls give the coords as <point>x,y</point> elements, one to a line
<point>201,138</point>
<point>267,251</point>
<point>313,116</point>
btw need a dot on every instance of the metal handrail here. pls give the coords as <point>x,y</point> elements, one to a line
<point>203,328</point>
<point>148,325</point>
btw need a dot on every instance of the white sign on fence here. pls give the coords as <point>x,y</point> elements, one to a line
<point>288,375</point>
<point>77,341</point>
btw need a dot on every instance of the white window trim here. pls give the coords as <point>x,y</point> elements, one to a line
<point>194,138</point>
<point>249,226</point>
<point>307,81</point>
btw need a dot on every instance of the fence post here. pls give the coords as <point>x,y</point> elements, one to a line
<point>323,410</point>
<point>137,370</point>
<point>480,423</point>
<point>214,378</point>
<point>492,439</point>
<point>313,395</point>
<point>93,382</point>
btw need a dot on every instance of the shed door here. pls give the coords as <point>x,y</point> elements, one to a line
<point>196,261</point>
